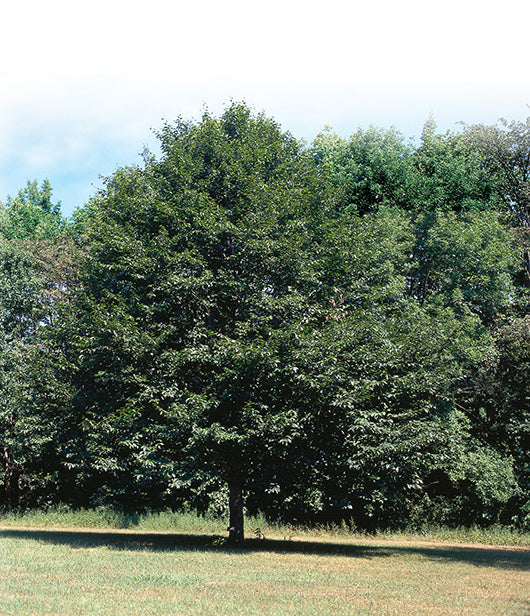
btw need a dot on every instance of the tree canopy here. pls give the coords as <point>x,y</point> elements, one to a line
<point>244,322</point>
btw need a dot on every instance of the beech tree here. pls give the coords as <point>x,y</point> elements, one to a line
<point>198,263</point>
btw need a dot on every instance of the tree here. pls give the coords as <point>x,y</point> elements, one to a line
<point>35,267</point>
<point>369,171</point>
<point>383,429</point>
<point>375,169</point>
<point>498,405</point>
<point>20,311</point>
<point>448,175</point>
<point>505,149</point>
<point>198,263</point>
<point>466,260</point>
<point>32,214</point>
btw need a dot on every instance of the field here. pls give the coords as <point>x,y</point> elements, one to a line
<point>51,570</point>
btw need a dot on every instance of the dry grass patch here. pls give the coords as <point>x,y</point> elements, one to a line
<point>50,572</point>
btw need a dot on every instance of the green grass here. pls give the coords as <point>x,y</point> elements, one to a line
<point>111,519</point>
<point>255,527</point>
<point>50,567</point>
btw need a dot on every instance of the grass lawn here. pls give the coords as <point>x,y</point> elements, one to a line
<point>45,571</point>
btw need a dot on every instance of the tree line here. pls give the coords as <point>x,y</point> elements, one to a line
<point>329,332</point>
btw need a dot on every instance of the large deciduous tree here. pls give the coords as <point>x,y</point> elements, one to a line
<point>198,264</point>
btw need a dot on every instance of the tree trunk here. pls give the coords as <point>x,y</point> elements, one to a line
<point>11,480</point>
<point>235,504</point>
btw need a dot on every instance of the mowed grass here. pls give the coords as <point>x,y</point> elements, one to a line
<point>56,571</point>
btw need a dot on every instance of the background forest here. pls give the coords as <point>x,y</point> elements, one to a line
<point>322,333</point>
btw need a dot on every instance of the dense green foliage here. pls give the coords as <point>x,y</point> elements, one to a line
<point>34,258</point>
<point>330,333</point>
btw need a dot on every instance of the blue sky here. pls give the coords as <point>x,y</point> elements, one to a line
<point>84,85</point>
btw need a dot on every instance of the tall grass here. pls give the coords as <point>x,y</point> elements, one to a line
<point>492,535</point>
<point>65,517</point>
<point>190,522</point>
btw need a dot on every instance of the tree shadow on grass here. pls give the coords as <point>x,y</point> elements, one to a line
<point>498,557</point>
